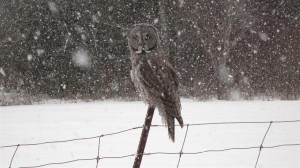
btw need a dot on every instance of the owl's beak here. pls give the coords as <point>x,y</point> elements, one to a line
<point>143,49</point>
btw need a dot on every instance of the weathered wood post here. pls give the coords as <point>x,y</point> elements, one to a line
<point>144,137</point>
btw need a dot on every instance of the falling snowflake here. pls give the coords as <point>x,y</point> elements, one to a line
<point>40,52</point>
<point>181,3</point>
<point>2,71</point>
<point>52,7</point>
<point>263,36</point>
<point>81,58</point>
<point>282,58</point>
<point>29,57</point>
<point>64,86</point>
<point>179,33</point>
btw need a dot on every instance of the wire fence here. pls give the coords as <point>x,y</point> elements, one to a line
<point>260,147</point>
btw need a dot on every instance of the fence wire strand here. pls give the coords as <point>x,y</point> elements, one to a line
<point>180,153</point>
<point>98,151</point>
<point>12,158</point>
<point>261,145</point>
<point>139,127</point>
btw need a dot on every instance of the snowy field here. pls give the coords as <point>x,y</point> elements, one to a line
<point>52,122</point>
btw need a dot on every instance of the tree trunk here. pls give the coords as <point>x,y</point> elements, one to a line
<point>164,26</point>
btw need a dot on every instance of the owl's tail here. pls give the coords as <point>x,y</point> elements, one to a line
<point>171,125</point>
<point>180,120</point>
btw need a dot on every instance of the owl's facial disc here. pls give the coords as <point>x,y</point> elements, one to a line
<point>142,39</point>
<point>142,46</point>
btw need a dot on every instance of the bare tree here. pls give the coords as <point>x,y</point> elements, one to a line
<point>221,25</point>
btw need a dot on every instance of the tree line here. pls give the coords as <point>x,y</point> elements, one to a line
<point>221,49</point>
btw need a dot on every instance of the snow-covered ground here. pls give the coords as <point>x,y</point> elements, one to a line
<point>51,122</point>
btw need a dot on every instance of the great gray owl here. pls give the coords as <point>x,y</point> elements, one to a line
<point>153,75</point>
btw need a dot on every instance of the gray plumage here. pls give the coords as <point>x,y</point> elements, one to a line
<point>153,75</point>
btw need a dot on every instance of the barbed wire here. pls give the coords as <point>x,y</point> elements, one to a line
<point>180,153</point>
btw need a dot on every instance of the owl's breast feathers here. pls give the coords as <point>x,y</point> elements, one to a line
<point>155,79</point>
<point>156,73</point>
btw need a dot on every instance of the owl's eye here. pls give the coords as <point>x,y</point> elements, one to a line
<point>147,37</point>
<point>135,37</point>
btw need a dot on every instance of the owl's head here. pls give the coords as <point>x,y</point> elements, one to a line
<point>143,38</point>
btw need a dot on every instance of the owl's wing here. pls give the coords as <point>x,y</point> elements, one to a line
<point>159,76</point>
<point>165,73</point>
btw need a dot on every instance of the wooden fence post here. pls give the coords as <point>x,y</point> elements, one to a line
<point>144,137</point>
